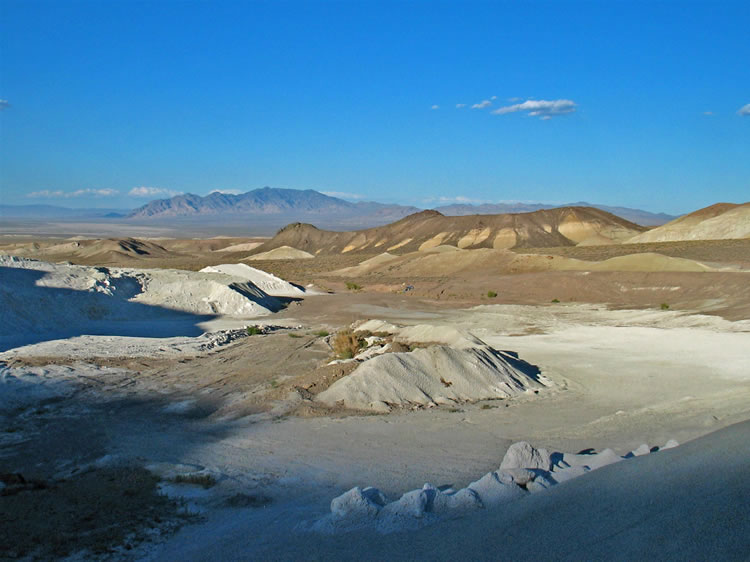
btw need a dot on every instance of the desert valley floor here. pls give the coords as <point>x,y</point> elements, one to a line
<point>166,399</point>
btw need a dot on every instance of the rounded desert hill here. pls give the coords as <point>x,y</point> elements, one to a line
<point>565,226</point>
<point>721,221</point>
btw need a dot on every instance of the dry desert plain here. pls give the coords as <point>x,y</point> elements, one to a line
<point>141,419</point>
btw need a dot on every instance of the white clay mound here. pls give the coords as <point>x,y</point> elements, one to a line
<point>524,470</point>
<point>430,376</point>
<point>37,296</point>
<point>267,282</point>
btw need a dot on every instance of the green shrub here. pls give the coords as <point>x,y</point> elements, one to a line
<point>555,300</point>
<point>664,306</point>
<point>321,333</point>
<point>254,330</point>
<point>353,286</point>
<point>491,294</point>
<point>346,344</point>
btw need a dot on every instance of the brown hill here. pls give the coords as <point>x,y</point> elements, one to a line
<point>565,226</point>
<point>721,221</point>
<point>94,250</point>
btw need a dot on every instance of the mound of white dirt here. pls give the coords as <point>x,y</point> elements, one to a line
<point>282,253</point>
<point>267,282</point>
<point>431,376</point>
<point>37,296</point>
<point>524,470</point>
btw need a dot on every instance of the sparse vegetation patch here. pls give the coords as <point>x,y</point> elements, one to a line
<point>346,344</point>
<point>205,480</point>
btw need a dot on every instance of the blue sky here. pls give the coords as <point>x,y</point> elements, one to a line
<point>111,104</point>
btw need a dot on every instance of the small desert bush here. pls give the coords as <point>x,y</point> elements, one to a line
<point>254,330</point>
<point>491,294</point>
<point>353,286</point>
<point>321,333</point>
<point>292,335</point>
<point>346,344</point>
<point>664,306</point>
<point>555,301</point>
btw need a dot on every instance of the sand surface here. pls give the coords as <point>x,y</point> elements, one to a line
<point>188,392</point>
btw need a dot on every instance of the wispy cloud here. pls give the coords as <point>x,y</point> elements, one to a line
<point>744,110</point>
<point>343,194</point>
<point>460,105</point>
<point>493,98</point>
<point>453,199</point>
<point>482,104</point>
<point>543,109</point>
<point>152,192</point>
<point>436,106</point>
<point>4,104</point>
<point>226,191</point>
<point>708,113</point>
<point>60,194</point>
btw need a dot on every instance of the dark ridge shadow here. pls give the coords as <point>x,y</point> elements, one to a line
<point>556,459</point>
<point>531,371</point>
<point>33,314</point>
<point>286,301</point>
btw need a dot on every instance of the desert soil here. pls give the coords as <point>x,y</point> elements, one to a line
<point>242,414</point>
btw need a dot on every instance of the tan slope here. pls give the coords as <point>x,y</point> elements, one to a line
<point>104,250</point>
<point>423,231</point>
<point>281,253</point>
<point>717,222</point>
<point>487,261</point>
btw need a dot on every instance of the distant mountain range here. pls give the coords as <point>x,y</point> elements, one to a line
<point>53,212</point>
<point>270,201</point>
<point>272,206</point>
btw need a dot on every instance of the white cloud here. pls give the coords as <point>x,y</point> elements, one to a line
<point>453,199</point>
<point>152,192</point>
<point>226,191</point>
<point>460,105</point>
<point>744,110</point>
<point>343,195</point>
<point>482,104</point>
<point>60,194</point>
<point>540,108</point>
<point>435,107</point>
<point>4,104</point>
<point>493,98</point>
<point>708,113</point>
